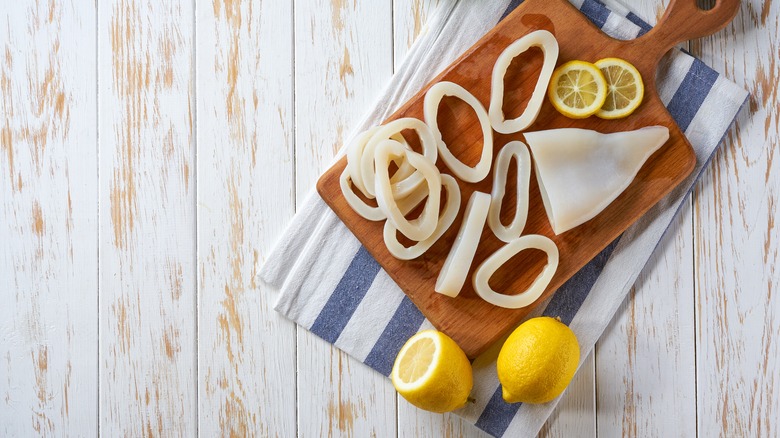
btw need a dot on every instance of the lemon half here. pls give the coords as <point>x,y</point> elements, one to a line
<point>625,89</point>
<point>537,361</point>
<point>577,89</point>
<point>432,372</point>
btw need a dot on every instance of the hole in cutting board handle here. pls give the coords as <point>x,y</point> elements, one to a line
<point>706,5</point>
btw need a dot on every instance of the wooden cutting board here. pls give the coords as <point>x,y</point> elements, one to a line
<point>473,323</point>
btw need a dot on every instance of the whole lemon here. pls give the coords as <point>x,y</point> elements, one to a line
<point>432,372</point>
<point>537,361</point>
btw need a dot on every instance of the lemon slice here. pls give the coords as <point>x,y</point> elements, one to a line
<point>577,89</point>
<point>625,89</point>
<point>432,372</point>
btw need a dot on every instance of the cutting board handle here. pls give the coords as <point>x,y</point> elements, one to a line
<point>683,21</point>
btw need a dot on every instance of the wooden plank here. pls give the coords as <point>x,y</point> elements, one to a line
<point>246,197</point>
<point>414,422</point>
<point>736,240</point>
<point>147,219</point>
<point>644,367</point>
<point>48,219</point>
<point>575,414</point>
<point>645,359</point>
<point>343,59</point>
<point>410,19</point>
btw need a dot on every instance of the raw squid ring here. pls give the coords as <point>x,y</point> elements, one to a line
<point>432,101</point>
<point>406,187</point>
<point>405,204</point>
<point>498,258</point>
<point>364,210</point>
<point>355,153</point>
<point>400,188</point>
<point>449,212</point>
<point>427,140</point>
<point>519,151</point>
<point>545,41</point>
<point>456,266</point>
<point>405,170</point>
<point>414,199</point>
<point>424,226</point>
<point>406,179</point>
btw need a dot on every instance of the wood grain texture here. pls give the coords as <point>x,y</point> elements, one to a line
<point>460,317</point>
<point>343,58</point>
<point>414,422</point>
<point>575,415</point>
<point>48,219</point>
<point>246,351</point>
<point>645,359</point>
<point>51,362</point>
<point>736,245</point>
<point>147,219</point>
<point>410,20</point>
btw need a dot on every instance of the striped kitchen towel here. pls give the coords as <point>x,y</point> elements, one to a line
<point>331,285</point>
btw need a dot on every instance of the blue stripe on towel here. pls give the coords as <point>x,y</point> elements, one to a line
<point>596,12</point>
<point>512,6</point>
<point>497,414</point>
<point>693,90</point>
<point>406,321</point>
<point>345,298</point>
<point>632,17</point>
<point>568,298</point>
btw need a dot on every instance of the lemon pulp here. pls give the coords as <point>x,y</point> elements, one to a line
<point>577,89</point>
<point>417,360</point>
<point>625,89</point>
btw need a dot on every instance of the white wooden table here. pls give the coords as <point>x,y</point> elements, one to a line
<point>151,152</point>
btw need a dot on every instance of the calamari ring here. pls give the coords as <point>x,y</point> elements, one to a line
<point>498,258</point>
<point>405,170</point>
<point>414,199</point>
<point>449,212</point>
<point>355,153</point>
<point>519,151</point>
<point>401,188</point>
<point>407,186</point>
<point>545,41</point>
<point>424,226</point>
<point>456,266</point>
<point>364,210</point>
<point>427,140</point>
<point>432,100</point>
<point>375,214</point>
